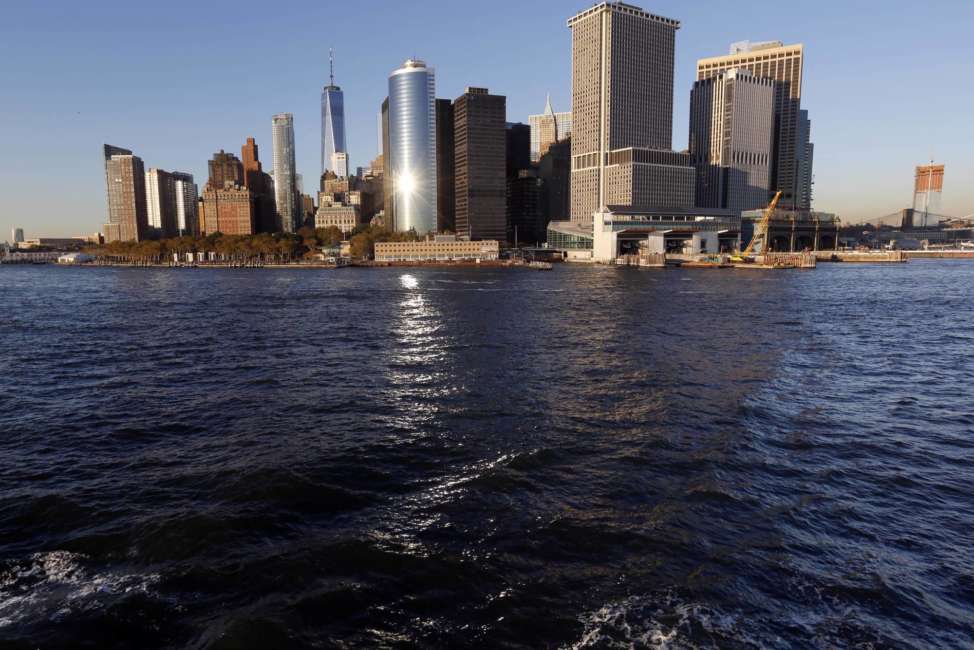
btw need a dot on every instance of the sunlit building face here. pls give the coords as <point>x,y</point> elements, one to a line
<point>412,144</point>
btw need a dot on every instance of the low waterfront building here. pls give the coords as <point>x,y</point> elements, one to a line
<point>344,217</point>
<point>792,231</point>
<point>437,249</point>
<point>58,243</point>
<point>570,237</point>
<point>619,230</point>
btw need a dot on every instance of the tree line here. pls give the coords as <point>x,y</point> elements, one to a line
<point>267,247</point>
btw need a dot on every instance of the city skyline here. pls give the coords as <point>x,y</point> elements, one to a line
<point>868,141</point>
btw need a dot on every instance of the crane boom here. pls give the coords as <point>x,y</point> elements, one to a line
<point>762,228</point>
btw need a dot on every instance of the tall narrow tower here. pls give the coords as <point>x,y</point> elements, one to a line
<point>289,209</point>
<point>332,119</point>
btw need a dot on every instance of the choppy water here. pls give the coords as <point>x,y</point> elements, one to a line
<point>581,458</point>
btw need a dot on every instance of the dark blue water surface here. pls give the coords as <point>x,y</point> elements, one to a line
<point>588,457</point>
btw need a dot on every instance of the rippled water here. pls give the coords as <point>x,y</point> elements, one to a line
<point>588,457</point>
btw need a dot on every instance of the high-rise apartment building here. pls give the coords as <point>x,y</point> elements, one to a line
<point>332,122</point>
<point>229,210</point>
<point>622,113</point>
<point>731,139</point>
<point>445,152</point>
<point>548,128</point>
<point>928,189</point>
<point>160,198</point>
<point>17,236</point>
<point>125,187</point>
<point>287,198</point>
<point>412,147</point>
<point>480,168</point>
<point>187,222</point>
<point>784,65</point>
<point>225,168</point>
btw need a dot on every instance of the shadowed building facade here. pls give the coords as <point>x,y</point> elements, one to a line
<point>445,182</point>
<point>783,64</point>
<point>259,183</point>
<point>731,139</point>
<point>480,165</point>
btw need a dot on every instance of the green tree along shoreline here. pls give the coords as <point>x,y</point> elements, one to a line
<point>275,248</point>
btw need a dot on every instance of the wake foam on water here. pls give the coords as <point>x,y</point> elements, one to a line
<point>664,622</point>
<point>53,585</point>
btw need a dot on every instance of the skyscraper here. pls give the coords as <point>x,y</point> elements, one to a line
<point>332,121</point>
<point>548,128</point>
<point>783,64</point>
<point>731,138</point>
<point>185,194</point>
<point>17,236</point>
<point>289,209</point>
<point>160,198</point>
<point>125,187</point>
<point>622,112</point>
<point>479,134</point>
<point>412,146</point>
<point>445,152</point>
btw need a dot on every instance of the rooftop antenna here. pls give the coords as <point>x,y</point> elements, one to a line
<point>331,66</point>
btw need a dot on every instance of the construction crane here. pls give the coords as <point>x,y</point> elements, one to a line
<point>760,230</point>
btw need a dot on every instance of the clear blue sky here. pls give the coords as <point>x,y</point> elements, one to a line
<point>177,81</point>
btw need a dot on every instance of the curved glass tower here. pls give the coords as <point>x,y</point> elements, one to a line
<point>412,144</point>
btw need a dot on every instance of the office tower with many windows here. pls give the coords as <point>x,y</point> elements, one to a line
<point>622,113</point>
<point>784,65</point>
<point>548,128</point>
<point>287,199</point>
<point>125,187</point>
<point>731,139</point>
<point>480,168</point>
<point>412,147</point>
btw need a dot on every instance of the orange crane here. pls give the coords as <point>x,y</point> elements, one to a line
<point>760,231</point>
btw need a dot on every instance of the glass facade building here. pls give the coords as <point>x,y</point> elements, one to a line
<point>289,207</point>
<point>332,125</point>
<point>412,146</point>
